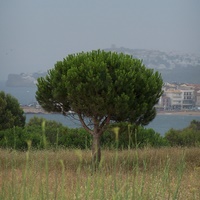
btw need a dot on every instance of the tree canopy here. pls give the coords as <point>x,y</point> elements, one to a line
<point>102,86</point>
<point>10,112</point>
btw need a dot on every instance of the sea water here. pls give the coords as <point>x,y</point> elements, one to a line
<point>161,123</point>
<point>25,95</point>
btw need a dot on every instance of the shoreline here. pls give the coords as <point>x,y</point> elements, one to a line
<point>183,112</point>
<point>32,110</point>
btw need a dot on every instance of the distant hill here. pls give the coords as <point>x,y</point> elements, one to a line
<point>174,67</point>
<point>23,79</point>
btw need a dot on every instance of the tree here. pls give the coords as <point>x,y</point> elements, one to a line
<point>10,112</point>
<point>103,87</point>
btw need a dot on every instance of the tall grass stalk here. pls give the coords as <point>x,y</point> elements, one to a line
<point>14,133</point>
<point>44,139</point>
<point>180,172</point>
<point>63,180</point>
<point>170,173</point>
<point>116,131</point>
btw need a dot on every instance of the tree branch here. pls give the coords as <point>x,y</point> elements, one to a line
<point>84,124</point>
<point>104,123</point>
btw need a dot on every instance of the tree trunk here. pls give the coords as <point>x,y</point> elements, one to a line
<point>96,149</point>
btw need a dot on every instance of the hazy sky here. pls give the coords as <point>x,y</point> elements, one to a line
<point>34,34</point>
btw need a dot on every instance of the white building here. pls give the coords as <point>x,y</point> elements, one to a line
<point>178,98</point>
<point>198,99</point>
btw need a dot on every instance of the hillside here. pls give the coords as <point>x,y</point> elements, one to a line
<point>174,67</point>
<point>23,79</point>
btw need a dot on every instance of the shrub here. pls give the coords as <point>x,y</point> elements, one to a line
<point>43,127</point>
<point>189,136</point>
<point>46,133</point>
<point>17,138</point>
<point>130,136</point>
<point>74,138</point>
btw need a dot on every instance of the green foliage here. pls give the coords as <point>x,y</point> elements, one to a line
<point>189,136</point>
<point>101,84</point>
<point>195,124</point>
<point>74,138</point>
<point>130,136</point>
<point>18,138</point>
<point>10,112</point>
<point>37,121</point>
<point>57,136</point>
<point>50,129</point>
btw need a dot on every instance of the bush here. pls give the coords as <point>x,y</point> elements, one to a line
<point>189,136</point>
<point>74,138</point>
<point>18,138</point>
<point>46,133</point>
<point>58,135</point>
<point>48,127</point>
<point>130,136</point>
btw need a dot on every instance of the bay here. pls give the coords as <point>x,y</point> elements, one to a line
<point>161,124</point>
<point>68,121</point>
<point>24,95</point>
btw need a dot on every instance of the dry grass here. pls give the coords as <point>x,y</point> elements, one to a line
<point>171,173</point>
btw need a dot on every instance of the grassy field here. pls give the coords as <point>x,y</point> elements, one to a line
<point>166,173</point>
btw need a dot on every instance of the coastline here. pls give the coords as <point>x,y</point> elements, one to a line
<point>182,112</point>
<point>32,110</point>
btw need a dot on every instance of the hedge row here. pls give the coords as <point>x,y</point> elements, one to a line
<point>40,133</point>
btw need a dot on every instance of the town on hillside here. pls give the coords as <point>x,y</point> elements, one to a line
<point>178,97</point>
